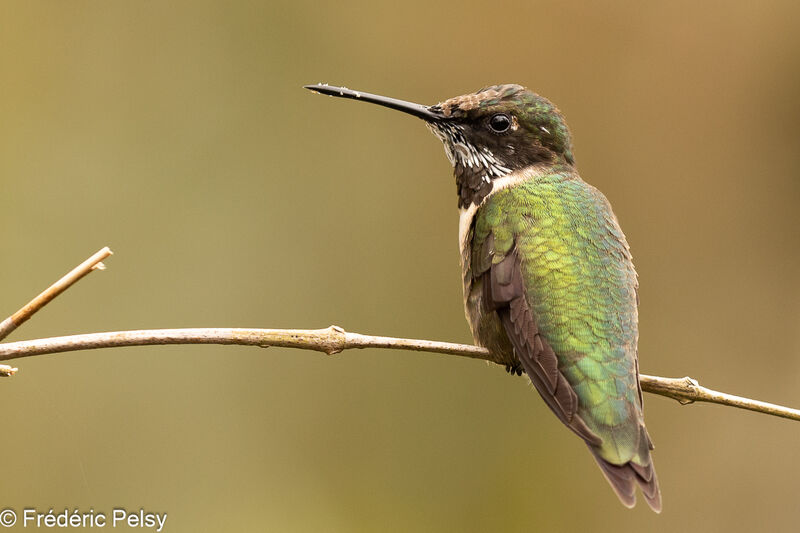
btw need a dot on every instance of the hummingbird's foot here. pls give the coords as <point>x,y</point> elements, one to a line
<point>516,368</point>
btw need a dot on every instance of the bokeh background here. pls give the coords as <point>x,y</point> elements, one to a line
<point>177,133</point>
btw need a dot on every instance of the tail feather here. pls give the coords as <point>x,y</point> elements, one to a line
<point>624,478</point>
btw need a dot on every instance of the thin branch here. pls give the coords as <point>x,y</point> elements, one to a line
<point>334,339</point>
<point>14,321</point>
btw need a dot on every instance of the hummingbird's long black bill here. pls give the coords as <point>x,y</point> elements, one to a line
<point>418,110</point>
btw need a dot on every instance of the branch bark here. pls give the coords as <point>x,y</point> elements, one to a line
<point>7,326</point>
<point>334,339</point>
<point>94,262</point>
<point>330,341</point>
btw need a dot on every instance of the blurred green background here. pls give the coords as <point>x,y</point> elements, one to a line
<point>177,133</point>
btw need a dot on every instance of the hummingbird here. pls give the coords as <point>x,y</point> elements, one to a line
<point>549,283</point>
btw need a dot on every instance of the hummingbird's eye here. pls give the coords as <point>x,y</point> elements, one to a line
<point>500,123</point>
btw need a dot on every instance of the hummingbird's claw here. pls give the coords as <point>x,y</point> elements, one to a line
<point>514,369</point>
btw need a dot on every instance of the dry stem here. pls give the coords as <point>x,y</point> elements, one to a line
<point>92,263</point>
<point>334,339</point>
<point>330,341</point>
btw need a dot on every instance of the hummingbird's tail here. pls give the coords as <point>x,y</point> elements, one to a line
<point>624,478</point>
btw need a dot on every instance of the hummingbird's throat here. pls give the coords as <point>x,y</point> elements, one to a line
<point>474,167</point>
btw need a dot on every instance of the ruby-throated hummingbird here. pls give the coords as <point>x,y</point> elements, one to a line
<point>549,284</point>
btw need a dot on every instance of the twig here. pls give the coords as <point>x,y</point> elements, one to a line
<point>334,339</point>
<point>14,321</point>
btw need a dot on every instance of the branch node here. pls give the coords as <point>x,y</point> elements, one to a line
<point>335,340</point>
<point>7,371</point>
<point>688,389</point>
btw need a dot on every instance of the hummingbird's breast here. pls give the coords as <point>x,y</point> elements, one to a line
<point>466,215</point>
<point>486,327</point>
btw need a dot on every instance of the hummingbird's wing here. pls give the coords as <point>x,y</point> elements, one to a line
<point>557,272</point>
<point>504,292</point>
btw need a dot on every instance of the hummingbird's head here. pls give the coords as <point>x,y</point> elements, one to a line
<point>498,130</point>
<point>487,134</point>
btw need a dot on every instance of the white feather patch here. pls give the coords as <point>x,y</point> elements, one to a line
<point>466,215</point>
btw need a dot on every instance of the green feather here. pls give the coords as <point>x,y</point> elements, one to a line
<point>581,284</point>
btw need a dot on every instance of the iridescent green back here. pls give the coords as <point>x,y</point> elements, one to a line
<point>581,285</point>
